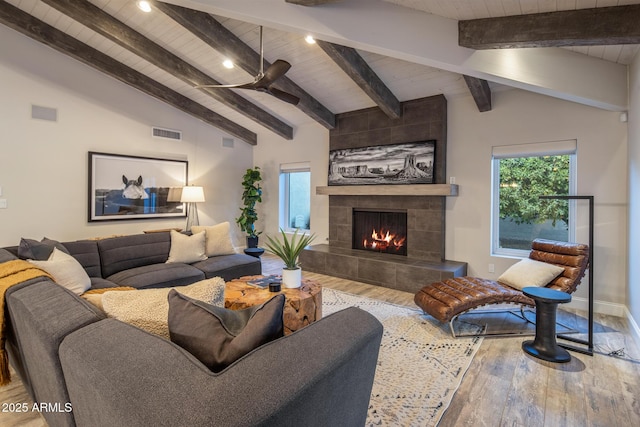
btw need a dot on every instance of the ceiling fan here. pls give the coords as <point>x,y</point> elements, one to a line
<point>263,82</point>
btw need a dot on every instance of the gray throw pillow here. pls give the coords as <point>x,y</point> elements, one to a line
<point>218,336</point>
<point>39,251</point>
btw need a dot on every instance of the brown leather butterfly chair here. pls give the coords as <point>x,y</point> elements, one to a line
<point>448,299</point>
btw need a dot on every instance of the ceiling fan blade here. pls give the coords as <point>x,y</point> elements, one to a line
<point>237,86</point>
<point>284,96</point>
<point>273,73</point>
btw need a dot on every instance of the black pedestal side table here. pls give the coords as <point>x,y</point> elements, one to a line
<point>545,346</point>
<point>254,252</point>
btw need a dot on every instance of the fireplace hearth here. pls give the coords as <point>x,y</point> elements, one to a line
<point>380,231</point>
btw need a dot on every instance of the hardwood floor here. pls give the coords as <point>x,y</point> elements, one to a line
<point>506,387</point>
<point>503,386</point>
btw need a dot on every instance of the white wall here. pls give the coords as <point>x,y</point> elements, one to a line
<point>520,117</point>
<point>633,288</point>
<point>310,144</point>
<point>43,165</point>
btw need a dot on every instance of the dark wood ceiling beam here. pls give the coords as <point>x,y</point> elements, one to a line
<point>26,24</point>
<point>585,27</point>
<point>101,22</point>
<point>480,91</point>
<point>212,32</point>
<point>357,68</point>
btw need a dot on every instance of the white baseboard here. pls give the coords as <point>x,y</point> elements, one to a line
<point>633,326</point>
<point>600,307</point>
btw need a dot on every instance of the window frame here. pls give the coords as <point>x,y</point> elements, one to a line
<point>284,180</point>
<point>555,148</point>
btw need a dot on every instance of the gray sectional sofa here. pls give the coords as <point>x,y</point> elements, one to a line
<point>139,260</point>
<point>89,370</point>
<point>94,371</point>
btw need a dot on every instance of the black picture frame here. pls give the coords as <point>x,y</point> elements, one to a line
<point>123,187</point>
<point>406,163</point>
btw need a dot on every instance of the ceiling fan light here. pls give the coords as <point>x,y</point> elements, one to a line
<point>309,39</point>
<point>228,63</point>
<point>144,6</point>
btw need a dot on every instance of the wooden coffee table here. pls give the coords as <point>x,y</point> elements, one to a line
<point>302,307</point>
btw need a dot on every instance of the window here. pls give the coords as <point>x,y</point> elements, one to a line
<point>521,174</point>
<point>295,196</point>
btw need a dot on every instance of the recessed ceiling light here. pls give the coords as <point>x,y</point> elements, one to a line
<point>310,39</point>
<point>227,63</point>
<point>144,6</point>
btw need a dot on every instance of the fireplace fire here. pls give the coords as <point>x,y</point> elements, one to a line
<point>377,231</point>
<point>384,241</point>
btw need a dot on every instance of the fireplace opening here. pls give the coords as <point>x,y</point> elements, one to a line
<point>380,231</point>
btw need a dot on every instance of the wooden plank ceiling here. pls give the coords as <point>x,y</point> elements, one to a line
<point>169,51</point>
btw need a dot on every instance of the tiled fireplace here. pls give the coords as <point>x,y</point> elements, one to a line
<point>359,248</point>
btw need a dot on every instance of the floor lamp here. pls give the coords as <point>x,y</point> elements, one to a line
<point>190,196</point>
<point>589,342</point>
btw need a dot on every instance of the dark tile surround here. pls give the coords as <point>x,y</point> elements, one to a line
<point>392,271</point>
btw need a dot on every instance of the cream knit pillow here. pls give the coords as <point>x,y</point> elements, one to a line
<point>66,271</point>
<point>529,272</point>
<point>187,249</point>
<point>218,240</point>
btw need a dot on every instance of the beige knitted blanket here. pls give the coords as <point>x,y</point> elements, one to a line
<point>148,308</point>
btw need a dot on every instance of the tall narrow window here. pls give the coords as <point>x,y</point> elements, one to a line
<point>295,196</point>
<point>521,174</point>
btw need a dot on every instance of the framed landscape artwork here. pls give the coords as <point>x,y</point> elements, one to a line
<point>131,187</point>
<point>407,163</point>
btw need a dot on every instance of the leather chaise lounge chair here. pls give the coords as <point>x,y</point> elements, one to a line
<point>448,299</point>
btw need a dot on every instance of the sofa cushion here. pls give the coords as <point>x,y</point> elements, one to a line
<point>86,252</point>
<point>41,251</point>
<point>187,249</point>
<point>100,283</point>
<point>528,272</point>
<point>148,308</point>
<point>218,238</point>
<point>230,266</point>
<point>66,271</point>
<point>137,250</point>
<point>5,256</point>
<point>157,276</point>
<point>217,336</point>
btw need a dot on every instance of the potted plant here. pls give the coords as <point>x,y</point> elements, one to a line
<point>251,194</point>
<point>288,250</point>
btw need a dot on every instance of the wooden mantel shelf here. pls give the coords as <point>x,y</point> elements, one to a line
<point>389,190</point>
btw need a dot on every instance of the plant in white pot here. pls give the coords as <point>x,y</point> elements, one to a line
<point>289,250</point>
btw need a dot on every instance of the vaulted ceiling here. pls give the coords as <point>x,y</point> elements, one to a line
<point>369,52</point>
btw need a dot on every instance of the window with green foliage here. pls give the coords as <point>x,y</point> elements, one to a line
<point>519,215</point>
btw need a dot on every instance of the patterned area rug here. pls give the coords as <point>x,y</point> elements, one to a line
<point>420,365</point>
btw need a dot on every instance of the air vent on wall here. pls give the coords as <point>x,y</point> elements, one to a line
<point>175,135</point>
<point>44,113</point>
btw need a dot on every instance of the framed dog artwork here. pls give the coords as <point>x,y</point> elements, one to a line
<point>131,187</point>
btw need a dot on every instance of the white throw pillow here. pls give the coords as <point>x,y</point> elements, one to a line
<point>66,271</point>
<point>218,241</point>
<point>148,309</point>
<point>529,272</point>
<point>187,249</point>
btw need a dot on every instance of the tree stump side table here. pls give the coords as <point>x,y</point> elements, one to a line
<point>545,346</point>
<point>302,306</point>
